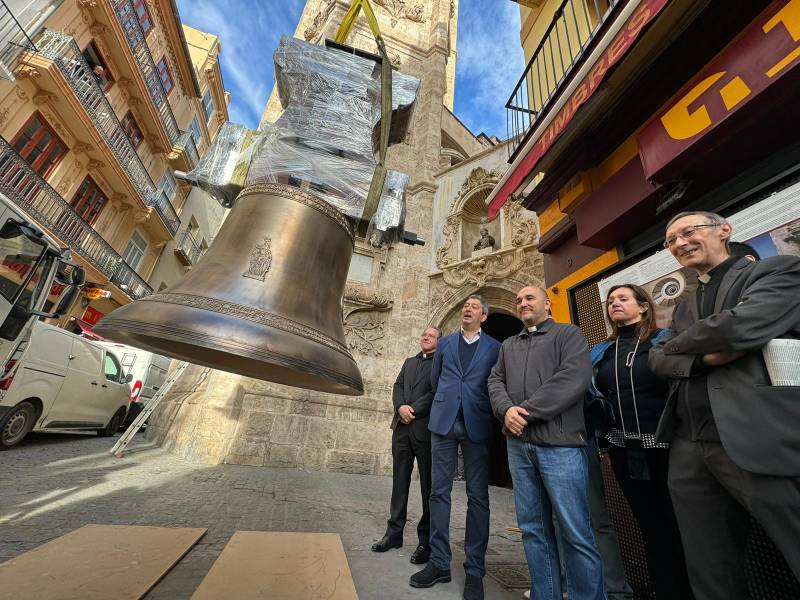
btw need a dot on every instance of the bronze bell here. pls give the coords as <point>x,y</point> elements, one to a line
<point>265,301</point>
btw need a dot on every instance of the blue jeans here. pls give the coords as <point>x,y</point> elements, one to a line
<point>444,455</point>
<point>547,480</point>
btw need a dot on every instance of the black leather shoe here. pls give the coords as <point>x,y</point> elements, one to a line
<point>473,588</point>
<point>387,543</point>
<point>421,555</point>
<point>429,576</point>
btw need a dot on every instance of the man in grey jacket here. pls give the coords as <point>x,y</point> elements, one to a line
<point>537,390</point>
<point>735,437</point>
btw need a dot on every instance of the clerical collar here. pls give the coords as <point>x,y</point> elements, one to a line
<point>532,329</point>
<point>721,268</point>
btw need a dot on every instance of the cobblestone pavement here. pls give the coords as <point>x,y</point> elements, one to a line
<point>54,483</point>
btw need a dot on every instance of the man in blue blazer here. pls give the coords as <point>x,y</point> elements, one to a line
<point>461,414</point>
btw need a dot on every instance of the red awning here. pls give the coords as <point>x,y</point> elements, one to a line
<point>614,52</point>
<point>86,331</point>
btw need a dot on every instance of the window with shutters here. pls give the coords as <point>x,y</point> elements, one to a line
<point>132,130</point>
<point>129,17</point>
<point>38,144</point>
<point>194,128</point>
<point>208,104</point>
<point>165,75</point>
<point>135,250</point>
<point>89,201</point>
<point>168,185</point>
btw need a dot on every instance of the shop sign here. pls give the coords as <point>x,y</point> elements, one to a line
<point>763,53</point>
<point>92,316</point>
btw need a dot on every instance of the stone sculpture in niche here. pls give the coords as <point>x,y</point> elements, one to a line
<point>485,241</point>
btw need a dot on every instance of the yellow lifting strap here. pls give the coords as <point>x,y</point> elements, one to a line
<point>348,22</point>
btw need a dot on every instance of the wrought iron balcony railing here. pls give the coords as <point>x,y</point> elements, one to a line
<point>167,212</point>
<point>575,24</point>
<point>63,51</point>
<point>189,248</point>
<point>13,40</point>
<point>23,186</point>
<point>129,21</point>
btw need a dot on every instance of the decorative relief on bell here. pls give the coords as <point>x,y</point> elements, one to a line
<point>260,261</point>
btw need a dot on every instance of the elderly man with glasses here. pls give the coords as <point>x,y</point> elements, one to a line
<point>735,438</point>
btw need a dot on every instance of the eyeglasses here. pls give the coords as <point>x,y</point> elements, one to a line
<point>686,233</point>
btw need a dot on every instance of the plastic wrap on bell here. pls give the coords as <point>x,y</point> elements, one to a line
<point>388,223</point>
<point>326,138</point>
<point>222,169</point>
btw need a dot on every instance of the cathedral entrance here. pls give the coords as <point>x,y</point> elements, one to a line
<point>500,326</point>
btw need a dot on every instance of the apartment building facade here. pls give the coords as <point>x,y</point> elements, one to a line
<point>101,101</point>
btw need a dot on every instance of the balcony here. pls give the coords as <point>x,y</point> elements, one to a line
<point>184,155</point>
<point>13,41</point>
<point>188,250</point>
<point>62,50</point>
<point>23,186</point>
<point>564,45</point>
<point>134,35</point>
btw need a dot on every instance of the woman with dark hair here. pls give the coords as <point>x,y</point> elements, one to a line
<point>635,398</point>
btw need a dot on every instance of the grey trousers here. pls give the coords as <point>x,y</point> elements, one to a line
<point>712,498</point>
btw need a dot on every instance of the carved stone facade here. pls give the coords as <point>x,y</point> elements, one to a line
<point>391,295</point>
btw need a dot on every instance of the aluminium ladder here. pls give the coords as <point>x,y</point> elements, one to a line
<point>127,437</point>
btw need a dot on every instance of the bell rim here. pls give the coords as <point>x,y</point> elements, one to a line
<point>121,330</point>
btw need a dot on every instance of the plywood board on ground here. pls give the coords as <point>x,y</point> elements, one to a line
<point>97,562</point>
<point>280,566</point>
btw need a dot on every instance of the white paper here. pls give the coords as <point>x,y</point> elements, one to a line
<point>783,361</point>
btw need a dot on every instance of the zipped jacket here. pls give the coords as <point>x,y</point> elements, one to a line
<point>547,372</point>
<point>596,402</point>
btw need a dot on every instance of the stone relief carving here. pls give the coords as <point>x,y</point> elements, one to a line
<point>365,332</point>
<point>44,98</point>
<point>260,261</point>
<point>448,251</point>
<point>315,27</point>
<point>400,9</point>
<point>82,148</point>
<point>478,176</point>
<point>484,268</point>
<point>4,116</point>
<point>521,229</point>
<point>24,71</point>
<point>366,298</point>
<point>363,314</point>
<point>512,268</point>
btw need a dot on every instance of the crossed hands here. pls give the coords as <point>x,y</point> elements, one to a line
<point>406,414</point>
<point>716,359</point>
<point>515,420</point>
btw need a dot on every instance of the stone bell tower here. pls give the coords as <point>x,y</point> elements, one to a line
<point>213,416</point>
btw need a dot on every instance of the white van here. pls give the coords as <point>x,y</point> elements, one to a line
<point>60,381</point>
<point>147,370</point>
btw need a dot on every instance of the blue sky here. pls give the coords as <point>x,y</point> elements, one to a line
<point>490,59</point>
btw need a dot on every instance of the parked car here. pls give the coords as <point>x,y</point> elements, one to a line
<point>57,380</point>
<point>147,370</point>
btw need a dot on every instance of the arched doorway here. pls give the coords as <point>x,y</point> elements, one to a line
<point>500,326</point>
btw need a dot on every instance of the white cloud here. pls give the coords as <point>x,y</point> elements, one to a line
<point>249,32</point>
<point>490,62</point>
